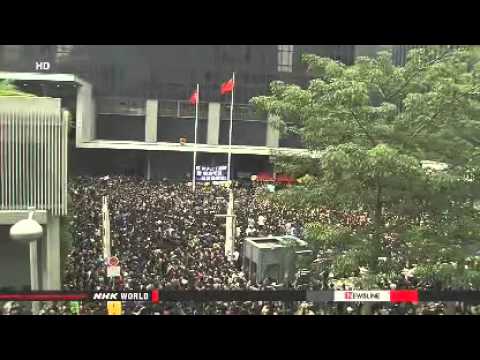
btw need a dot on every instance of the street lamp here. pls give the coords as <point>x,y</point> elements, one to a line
<point>29,231</point>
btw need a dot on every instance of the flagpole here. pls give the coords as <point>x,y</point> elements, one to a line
<point>195,146</point>
<point>230,133</point>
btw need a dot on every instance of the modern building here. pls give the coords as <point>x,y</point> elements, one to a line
<point>399,52</point>
<point>130,102</point>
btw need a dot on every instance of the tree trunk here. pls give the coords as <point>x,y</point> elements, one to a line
<point>378,207</point>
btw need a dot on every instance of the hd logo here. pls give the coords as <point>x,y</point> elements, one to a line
<point>42,65</point>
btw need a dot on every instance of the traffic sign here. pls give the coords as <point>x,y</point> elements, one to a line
<point>113,271</point>
<point>113,261</point>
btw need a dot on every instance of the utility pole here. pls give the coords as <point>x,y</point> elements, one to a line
<point>230,228</point>
<point>107,245</point>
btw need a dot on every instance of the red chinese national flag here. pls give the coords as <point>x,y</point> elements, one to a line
<point>227,87</point>
<point>194,98</point>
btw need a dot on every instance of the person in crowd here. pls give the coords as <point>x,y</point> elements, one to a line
<point>168,237</point>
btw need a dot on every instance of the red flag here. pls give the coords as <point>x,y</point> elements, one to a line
<point>194,98</point>
<point>227,87</point>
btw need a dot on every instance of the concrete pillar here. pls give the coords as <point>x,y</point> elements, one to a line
<point>85,115</point>
<point>151,116</point>
<point>250,270</point>
<point>273,133</point>
<point>93,119</point>
<point>42,254</point>
<point>213,129</point>
<point>51,255</point>
<point>149,166</point>
<point>259,277</point>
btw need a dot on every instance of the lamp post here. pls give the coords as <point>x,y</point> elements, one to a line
<point>29,231</point>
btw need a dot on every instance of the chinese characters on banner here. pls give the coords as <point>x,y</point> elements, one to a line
<point>211,173</point>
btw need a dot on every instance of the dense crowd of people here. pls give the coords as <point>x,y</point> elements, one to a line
<point>168,237</point>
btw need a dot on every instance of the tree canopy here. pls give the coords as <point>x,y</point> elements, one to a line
<point>8,89</point>
<point>374,124</point>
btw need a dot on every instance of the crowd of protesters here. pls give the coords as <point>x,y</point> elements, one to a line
<point>168,237</point>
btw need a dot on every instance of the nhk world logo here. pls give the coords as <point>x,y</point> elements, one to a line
<point>362,296</point>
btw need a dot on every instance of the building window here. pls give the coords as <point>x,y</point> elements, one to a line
<point>63,52</point>
<point>11,54</point>
<point>285,58</point>
<point>400,53</point>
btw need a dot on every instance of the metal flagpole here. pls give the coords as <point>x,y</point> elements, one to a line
<point>230,134</point>
<point>195,146</point>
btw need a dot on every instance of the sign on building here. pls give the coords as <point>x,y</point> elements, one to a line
<point>211,173</point>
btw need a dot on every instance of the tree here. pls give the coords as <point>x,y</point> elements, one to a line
<point>372,124</point>
<point>8,89</point>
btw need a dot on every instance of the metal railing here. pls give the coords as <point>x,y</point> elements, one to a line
<point>243,112</point>
<point>181,109</point>
<point>173,108</point>
<point>33,162</point>
<point>184,109</point>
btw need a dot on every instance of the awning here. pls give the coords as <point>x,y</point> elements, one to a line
<point>284,179</point>
<point>279,179</point>
<point>265,177</point>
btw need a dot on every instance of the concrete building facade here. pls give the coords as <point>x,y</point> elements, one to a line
<point>130,107</point>
<point>130,101</point>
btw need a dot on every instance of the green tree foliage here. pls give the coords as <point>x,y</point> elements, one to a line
<point>372,125</point>
<point>8,89</point>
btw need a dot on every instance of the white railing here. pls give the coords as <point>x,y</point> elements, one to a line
<point>33,162</point>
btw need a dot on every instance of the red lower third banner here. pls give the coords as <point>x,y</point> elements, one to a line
<point>45,296</point>
<point>404,296</point>
<point>155,296</point>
